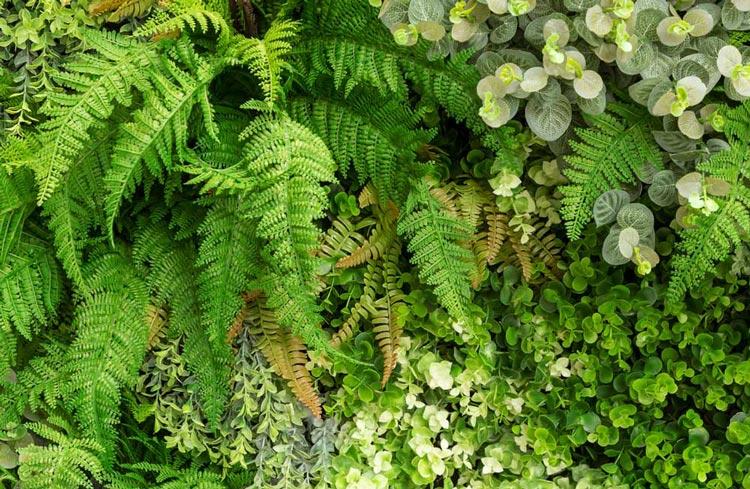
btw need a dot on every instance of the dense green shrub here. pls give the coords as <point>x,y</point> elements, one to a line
<point>317,244</point>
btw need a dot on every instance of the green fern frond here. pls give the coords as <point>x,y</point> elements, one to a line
<point>434,239</point>
<point>68,463</point>
<point>171,277</point>
<point>348,42</point>
<point>167,477</point>
<point>111,340</point>
<point>265,58</point>
<point>610,152</point>
<point>712,238</point>
<point>179,15</point>
<point>228,258</point>
<point>290,164</point>
<point>16,203</point>
<point>378,136</point>
<point>120,9</point>
<point>159,131</point>
<point>387,325</point>
<point>98,83</point>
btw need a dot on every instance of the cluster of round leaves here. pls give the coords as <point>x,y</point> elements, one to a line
<point>669,55</point>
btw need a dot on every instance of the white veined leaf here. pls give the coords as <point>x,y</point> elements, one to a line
<point>640,91</point>
<point>426,10</point>
<point>627,240</point>
<point>394,12</point>
<point>717,187</point>
<point>733,19</point>
<point>662,191</point>
<point>611,250</point>
<point>432,31</point>
<point>548,116</point>
<point>608,204</point>
<point>646,22</point>
<point>636,216</point>
<point>593,106</point>
<point>690,126</point>
<point>690,184</point>
<point>505,30</point>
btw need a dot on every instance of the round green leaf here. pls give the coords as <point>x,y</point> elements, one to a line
<point>638,217</point>
<point>627,240</point>
<point>548,116</point>
<point>662,191</point>
<point>608,204</point>
<point>426,10</point>
<point>611,250</point>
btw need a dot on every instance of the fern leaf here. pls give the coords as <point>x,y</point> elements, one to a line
<point>285,353</point>
<point>112,338</point>
<point>98,83</point>
<point>180,15</point>
<point>386,323</point>
<point>609,153</point>
<point>434,238</point>
<point>265,58</point>
<point>290,164</point>
<point>159,131</point>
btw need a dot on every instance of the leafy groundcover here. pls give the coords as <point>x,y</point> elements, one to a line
<point>345,244</point>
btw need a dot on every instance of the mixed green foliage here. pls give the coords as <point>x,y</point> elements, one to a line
<point>315,244</point>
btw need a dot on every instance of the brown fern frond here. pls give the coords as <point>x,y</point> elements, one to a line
<point>385,321</point>
<point>497,231</point>
<point>480,250</point>
<point>362,308</point>
<point>368,196</point>
<point>156,318</point>
<point>120,9</point>
<point>343,237</point>
<point>373,248</point>
<point>446,196</point>
<point>286,353</point>
<point>522,255</point>
<point>546,248</point>
<point>472,199</point>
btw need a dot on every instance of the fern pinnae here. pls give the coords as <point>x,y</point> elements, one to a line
<point>610,152</point>
<point>158,133</point>
<point>99,83</point>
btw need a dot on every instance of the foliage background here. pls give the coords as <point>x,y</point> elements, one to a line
<point>287,244</point>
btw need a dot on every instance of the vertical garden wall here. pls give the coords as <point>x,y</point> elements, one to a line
<point>483,244</point>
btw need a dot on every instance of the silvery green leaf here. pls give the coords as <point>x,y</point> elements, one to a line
<point>394,12</point>
<point>608,204</point>
<point>660,67</point>
<point>646,172</point>
<point>673,141</point>
<point>734,20</point>
<point>488,62</point>
<point>579,5</point>
<point>634,64</point>
<point>690,67</point>
<point>548,116</point>
<point>627,240</point>
<point>731,92</point>
<point>611,250</point>
<point>534,32</point>
<point>524,59</point>
<point>690,184</point>
<point>579,26</point>
<point>662,191</point>
<point>713,10</point>
<point>640,91</point>
<point>708,46</point>
<point>641,5</point>
<point>593,106</point>
<point>8,457</point>
<point>425,10</point>
<point>646,22</point>
<point>689,158</point>
<point>709,64</point>
<point>715,145</point>
<point>505,30</point>
<point>659,91</point>
<point>636,216</point>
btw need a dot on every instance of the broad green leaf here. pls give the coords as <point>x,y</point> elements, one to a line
<point>548,117</point>
<point>636,216</point>
<point>662,191</point>
<point>608,204</point>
